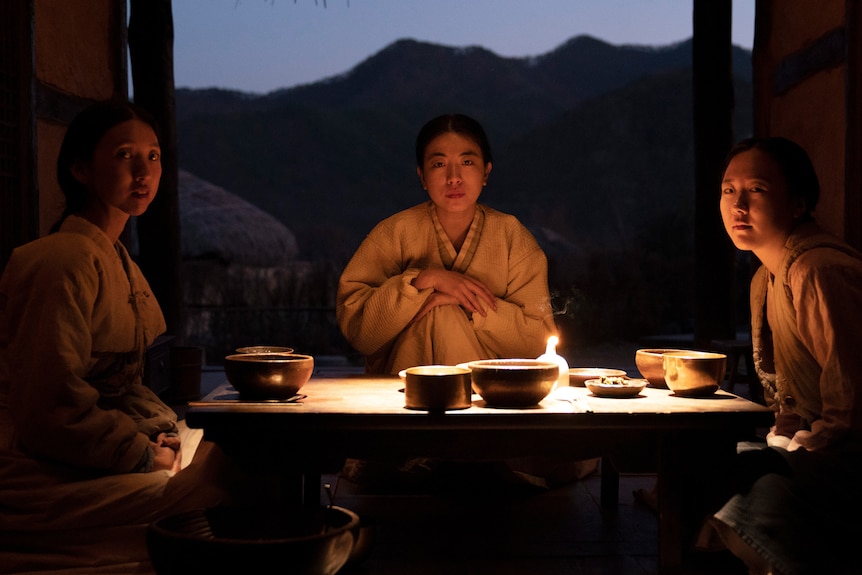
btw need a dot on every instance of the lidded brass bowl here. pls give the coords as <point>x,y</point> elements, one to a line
<point>265,349</point>
<point>437,387</point>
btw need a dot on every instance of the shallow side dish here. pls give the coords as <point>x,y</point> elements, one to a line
<point>629,387</point>
<point>579,375</point>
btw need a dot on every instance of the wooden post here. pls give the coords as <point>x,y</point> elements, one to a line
<point>713,136</point>
<point>19,206</point>
<point>151,45</point>
<point>853,160</point>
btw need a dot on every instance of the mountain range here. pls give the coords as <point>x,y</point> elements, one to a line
<point>593,148</point>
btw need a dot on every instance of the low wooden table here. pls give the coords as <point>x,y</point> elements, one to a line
<point>364,417</point>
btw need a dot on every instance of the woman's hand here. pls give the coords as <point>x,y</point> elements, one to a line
<point>775,439</point>
<point>167,454</point>
<point>462,290</point>
<point>437,298</point>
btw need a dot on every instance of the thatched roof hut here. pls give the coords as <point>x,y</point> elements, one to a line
<point>217,224</point>
<point>241,280</point>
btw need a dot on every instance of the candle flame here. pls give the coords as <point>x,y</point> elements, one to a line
<point>552,356</point>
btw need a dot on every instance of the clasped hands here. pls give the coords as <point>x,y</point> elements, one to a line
<point>453,288</point>
<point>166,453</point>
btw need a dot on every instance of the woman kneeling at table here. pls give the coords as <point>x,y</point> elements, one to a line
<point>798,500</point>
<point>449,280</point>
<point>88,454</point>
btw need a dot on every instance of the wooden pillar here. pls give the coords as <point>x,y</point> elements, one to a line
<point>853,161</point>
<point>19,206</point>
<point>151,45</point>
<point>713,136</point>
<point>761,68</point>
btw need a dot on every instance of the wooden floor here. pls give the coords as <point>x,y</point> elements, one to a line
<point>558,532</point>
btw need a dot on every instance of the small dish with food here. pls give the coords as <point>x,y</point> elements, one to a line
<point>615,386</point>
<point>578,375</point>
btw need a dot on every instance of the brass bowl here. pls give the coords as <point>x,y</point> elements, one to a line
<point>513,382</point>
<point>268,375</point>
<point>264,349</point>
<point>233,539</point>
<point>437,387</point>
<point>694,373</point>
<point>579,375</point>
<point>650,366</point>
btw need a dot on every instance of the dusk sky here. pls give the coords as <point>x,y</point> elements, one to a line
<point>264,45</point>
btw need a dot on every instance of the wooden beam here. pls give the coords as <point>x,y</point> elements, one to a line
<point>761,66</point>
<point>151,46</point>
<point>19,204</point>
<point>853,158</point>
<point>713,136</point>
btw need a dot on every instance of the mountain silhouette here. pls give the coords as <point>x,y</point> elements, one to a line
<point>332,158</point>
<point>593,147</point>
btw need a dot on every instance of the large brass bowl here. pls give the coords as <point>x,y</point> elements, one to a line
<point>513,382</point>
<point>694,373</point>
<point>268,375</point>
<point>277,539</point>
<point>650,365</point>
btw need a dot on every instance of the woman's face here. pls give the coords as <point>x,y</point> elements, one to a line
<point>453,172</point>
<point>125,170</point>
<point>757,211</point>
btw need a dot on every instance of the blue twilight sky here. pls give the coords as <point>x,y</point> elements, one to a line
<point>264,45</point>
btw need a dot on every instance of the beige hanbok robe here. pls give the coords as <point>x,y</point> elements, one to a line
<point>377,301</point>
<point>802,516</point>
<point>806,336</point>
<point>76,317</point>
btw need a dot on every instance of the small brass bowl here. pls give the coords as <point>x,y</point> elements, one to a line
<point>437,387</point>
<point>268,375</point>
<point>513,382</point>
<point>694,373</point>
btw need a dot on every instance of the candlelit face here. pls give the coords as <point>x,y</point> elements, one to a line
<point>756,208</point>
<point>123,175</point>
<point>453,172</point>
